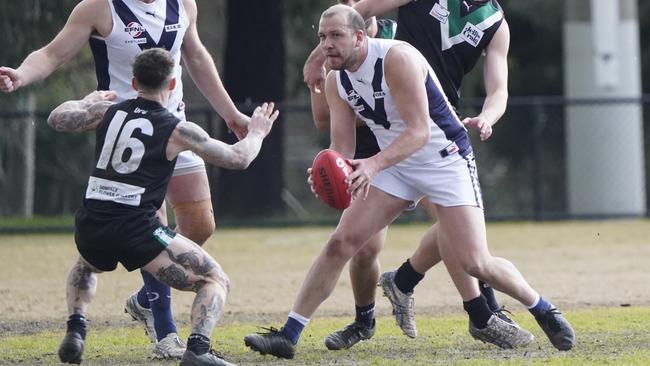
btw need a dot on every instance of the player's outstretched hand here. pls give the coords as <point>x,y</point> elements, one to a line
<point>359,180</point>
<point>263,118</point>
<point>10,80</point>
<point>480,124</point>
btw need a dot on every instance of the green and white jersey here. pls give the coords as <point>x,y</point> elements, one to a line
<point>386,28</point>
<point>451,34</point>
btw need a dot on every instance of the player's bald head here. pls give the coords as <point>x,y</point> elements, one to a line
<point>349,17</point>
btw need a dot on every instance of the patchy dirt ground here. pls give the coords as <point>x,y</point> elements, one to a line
<point>574,264</point>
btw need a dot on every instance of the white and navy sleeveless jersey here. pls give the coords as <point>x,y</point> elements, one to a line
<point>138,26</point>
<point>367,93</point>
<point>451,34</point>
<point>131,167</point>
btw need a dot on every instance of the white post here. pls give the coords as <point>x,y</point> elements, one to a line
<point>604,143</point>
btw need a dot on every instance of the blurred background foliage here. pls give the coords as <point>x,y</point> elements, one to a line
<point>62,161</point>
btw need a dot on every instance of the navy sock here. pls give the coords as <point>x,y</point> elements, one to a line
<point>478,310</point>
<point>143,299</point>
<point>542,307</point>
<point>406,278</point>
<point>77,323</point>
<point>488,292</point>
<point>365,315</point>
<point>292,330</point>
<point>161,307</point>
<point>198,343</point>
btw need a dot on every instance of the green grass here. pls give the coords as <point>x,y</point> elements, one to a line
<point>605,336</point>
<point>36,222</point>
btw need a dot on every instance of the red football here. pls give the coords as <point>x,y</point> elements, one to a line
<point>328,173</point>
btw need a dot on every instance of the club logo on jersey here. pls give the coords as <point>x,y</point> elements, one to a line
<point>439,13</point>
<point>134,29</point>
<point>471,34</point>
<point>379,94</point>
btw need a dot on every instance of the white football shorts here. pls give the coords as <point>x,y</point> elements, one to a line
<point>454,184</point>
<point>188,162</point>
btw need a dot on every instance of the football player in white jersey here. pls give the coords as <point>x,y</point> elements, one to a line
<point>364,266</point>
<point>450,67</point>
<point>425,154</point>
<point>117,30</point>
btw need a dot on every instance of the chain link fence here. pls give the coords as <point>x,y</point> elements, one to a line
<point>522,167</point>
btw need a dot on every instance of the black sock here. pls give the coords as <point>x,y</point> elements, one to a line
<point>479,311</point>
<point>365,314</point>
<point>198,344</point>
<point>488,292</point>
<point>77,323</point>
<point>406,278</point>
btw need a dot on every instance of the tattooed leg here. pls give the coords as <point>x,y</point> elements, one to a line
<point>185,266</point>
<point>207,308</point>
<point>81,286</point>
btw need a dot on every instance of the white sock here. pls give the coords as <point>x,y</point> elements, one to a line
<point>301,319</point>
<point>537,297</point>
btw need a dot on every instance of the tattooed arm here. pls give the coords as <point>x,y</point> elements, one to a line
<point>81,115</point>
<point>189,136</point>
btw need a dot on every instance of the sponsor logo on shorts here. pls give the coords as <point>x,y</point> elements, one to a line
<point>164,235</point>
<point>452,149</point>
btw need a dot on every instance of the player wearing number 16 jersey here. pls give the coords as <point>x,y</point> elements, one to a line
<point>127,186</point>
<point>138,141</point>
<point>117,31</point>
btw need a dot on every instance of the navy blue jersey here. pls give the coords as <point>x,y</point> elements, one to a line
<point>131,171</point>
<point>451,34</point>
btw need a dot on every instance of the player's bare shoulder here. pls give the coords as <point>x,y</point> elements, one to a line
<point>404,56</point>
<point>96,13</point>
<point>190,9</point>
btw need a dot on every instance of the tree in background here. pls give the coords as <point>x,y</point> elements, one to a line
<point>254,72</point>
<point>27,25</point>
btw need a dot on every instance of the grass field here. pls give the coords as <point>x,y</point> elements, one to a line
<point>596,272</point>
